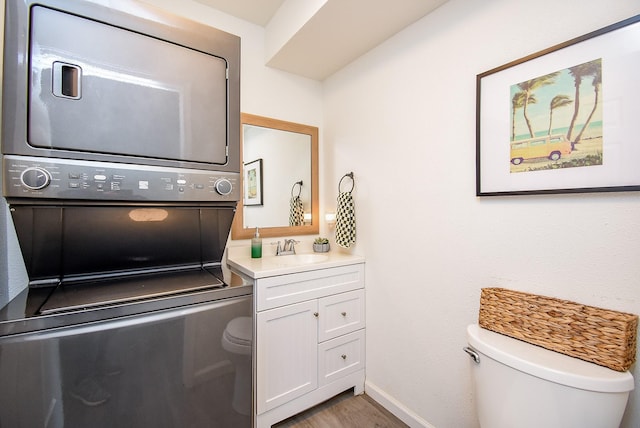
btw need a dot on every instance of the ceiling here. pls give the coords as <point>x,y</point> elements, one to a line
<point>317,42</point>
<point>256,11</point>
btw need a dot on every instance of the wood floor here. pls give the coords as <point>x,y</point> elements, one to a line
<point>344,410</point>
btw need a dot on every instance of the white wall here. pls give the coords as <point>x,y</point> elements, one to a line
<point>402,117</point>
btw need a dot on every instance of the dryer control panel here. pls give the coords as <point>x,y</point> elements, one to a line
<point>51,178</point>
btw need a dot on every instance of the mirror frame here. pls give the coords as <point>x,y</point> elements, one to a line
<point>238,231</point>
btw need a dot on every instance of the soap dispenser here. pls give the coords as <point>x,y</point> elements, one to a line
<point>256,245</point>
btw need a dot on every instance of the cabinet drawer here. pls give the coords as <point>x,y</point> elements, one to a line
<point>340,357</point>
<point>340,314</point>
<point>283,290</point>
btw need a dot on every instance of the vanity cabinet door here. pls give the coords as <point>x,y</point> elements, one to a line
<point>287,354</point>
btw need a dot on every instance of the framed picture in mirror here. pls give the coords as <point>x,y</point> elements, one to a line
<point>253,183</point>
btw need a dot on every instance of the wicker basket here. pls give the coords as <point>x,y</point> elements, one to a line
<point>600,336</point>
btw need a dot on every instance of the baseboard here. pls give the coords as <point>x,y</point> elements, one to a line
<point>395,407</point>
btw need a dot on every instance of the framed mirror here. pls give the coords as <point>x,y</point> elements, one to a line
<point>279,179</point>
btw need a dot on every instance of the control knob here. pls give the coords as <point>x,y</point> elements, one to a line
<point>35,178</point>
<point>223,186</point>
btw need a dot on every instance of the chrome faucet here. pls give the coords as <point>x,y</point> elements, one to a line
<point>289,247</point>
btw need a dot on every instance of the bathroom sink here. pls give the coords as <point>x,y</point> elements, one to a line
<point>298,259</point>
<point>271,265</point>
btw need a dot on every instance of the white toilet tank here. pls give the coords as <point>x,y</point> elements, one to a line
<point>519,385</point>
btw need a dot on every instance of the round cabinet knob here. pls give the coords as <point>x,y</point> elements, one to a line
<point>35,178</point>
<point>223,186</point>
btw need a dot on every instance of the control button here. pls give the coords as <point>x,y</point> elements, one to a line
<point>181,181</point>
<point>35,178</point>
<point>100,177</point>
<point>74,176</point>
<point>199,186</point>
<point>74,185</point>
<point>223,186</point>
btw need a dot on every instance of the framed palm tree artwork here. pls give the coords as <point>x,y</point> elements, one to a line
<point>562,120</point>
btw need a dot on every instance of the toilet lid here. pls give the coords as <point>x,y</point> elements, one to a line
<point>546,364</point>
<point>239,331</point>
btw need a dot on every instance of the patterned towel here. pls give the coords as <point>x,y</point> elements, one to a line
<point>345,220</point>
<point>296,212</point>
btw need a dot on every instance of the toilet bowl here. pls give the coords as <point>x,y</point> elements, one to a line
<point>236,340</point>
<point>522,385</point>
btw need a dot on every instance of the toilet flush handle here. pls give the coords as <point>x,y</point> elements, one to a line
<point>472,353</point>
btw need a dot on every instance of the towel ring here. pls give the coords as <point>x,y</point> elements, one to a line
<point>299,183</point>
<point>353,182</point>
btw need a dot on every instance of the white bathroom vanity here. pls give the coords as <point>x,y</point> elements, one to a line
<point>309,330</point>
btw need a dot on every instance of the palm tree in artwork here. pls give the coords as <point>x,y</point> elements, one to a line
<point>528,87</point>
<point>517,102</point>
<point>557,102</point>
<point>579,72</point>
<point>596,72</point>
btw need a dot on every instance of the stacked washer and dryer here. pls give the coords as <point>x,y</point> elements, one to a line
<point>121,172</point>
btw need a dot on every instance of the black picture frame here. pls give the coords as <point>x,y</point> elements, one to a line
<point>252,194</point>
<point>601,156</point>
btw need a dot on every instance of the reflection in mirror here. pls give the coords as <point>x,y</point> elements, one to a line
<point>280,179</point>
<point>274,161</point>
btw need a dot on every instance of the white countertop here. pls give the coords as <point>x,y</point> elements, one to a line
<point>281,265</point>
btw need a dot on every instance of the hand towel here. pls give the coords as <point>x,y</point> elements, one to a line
<point>296,212</point>
<point>345,220</point>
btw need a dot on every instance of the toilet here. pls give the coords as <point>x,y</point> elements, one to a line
<point>236,340</point>
<point>521,385</point>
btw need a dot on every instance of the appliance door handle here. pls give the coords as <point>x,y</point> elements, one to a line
<point>151,318</point>
<point>67,80</point>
